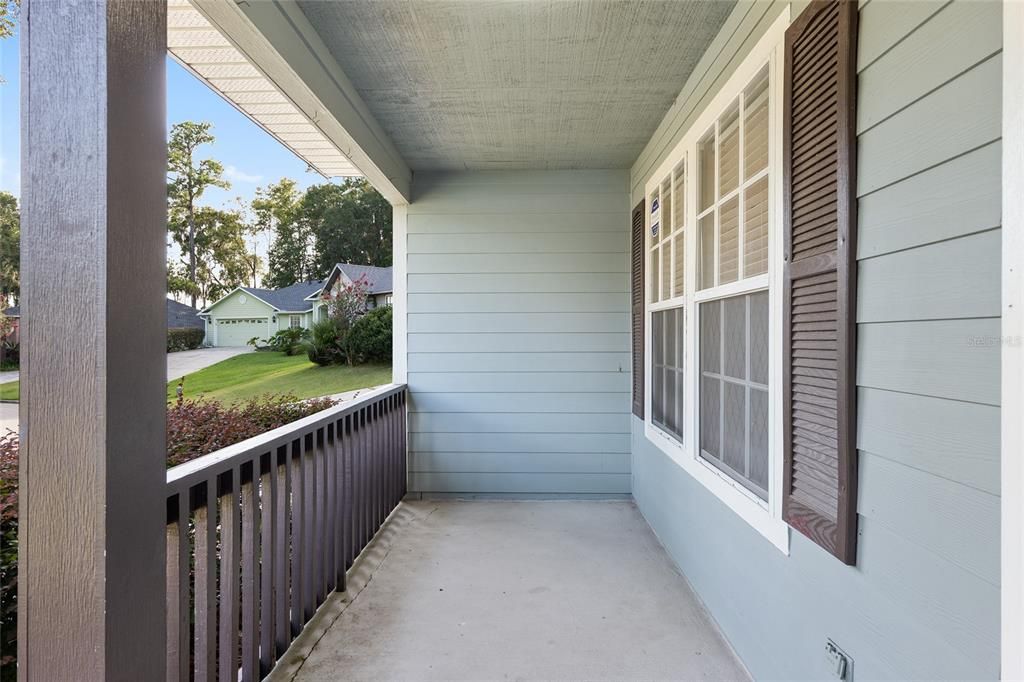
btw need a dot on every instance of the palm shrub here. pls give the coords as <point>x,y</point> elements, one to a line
<point>288,341</point>
<point>325,345</point>
<point>369,339</point>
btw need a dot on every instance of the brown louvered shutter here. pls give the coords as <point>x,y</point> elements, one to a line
<point>638,309</point>
<point>819,171</point>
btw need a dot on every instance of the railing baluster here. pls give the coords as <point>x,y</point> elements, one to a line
<point>298,534</point>
<point>347,501</point>
<point>404,439</point>
<point>319,527</point>
<point>308,527</point>
<point>268,503</point>
<point>330,508</point>
<point>230,548</point>
<point>250,569</point>
<point>206,581</point>
<point>281,476</point>
<point>179,549</point>
<point>366,454</point>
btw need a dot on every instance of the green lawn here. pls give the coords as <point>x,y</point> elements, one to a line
<point>250,374</point>
<point>10,391</point>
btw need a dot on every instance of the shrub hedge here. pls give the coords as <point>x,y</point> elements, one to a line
<point>369,340</point>
<point>184,338</point>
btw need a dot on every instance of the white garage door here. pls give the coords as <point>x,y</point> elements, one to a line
<point>238,332</point>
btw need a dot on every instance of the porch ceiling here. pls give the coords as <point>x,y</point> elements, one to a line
<point>468,84</point>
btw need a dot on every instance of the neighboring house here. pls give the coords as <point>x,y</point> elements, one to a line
<point>378,279</point>
<point>180,315</point>
<point>248,312</point>
<point>755,267</point>
<point>14,312</point>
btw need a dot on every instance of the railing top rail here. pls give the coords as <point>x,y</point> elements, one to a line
<point>184,476</point>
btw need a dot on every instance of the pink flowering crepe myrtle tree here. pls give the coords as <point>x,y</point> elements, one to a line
<point>349,303</point>
<point>344,307</point>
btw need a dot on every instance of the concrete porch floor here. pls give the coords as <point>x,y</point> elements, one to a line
<point>468,590</point>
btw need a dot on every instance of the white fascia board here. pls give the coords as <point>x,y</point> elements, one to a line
<point>278,39</point>
<point>208,309</point>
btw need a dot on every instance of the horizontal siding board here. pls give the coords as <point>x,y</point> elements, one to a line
<point>884,24</point>
<point>511,462</point>
<point>538,343</point>
<point>957,359</point>
<point>568,180</point>
<point>962,115</point>
<point>522,422</point>
<point>517,303</point>
<point>478,201</point>
<point>524,382</point>
<point>520,442</point>
<point>545,282</point>
<point>555,403</point>
<point>904,574</point>
<point>510,223</point>
<point>951,279</point>
<point>425,263</point>
<point>517,323</point>
<point>958,197</point>
<point>524,243</point>
<point>956,440</point>
<point>962,34</point>
<point>519,362</point>
<point>955,521</point>
<point>519,482</point>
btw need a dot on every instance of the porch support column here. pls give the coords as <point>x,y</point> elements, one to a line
<point>92,510</point>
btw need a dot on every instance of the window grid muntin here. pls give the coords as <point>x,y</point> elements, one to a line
<point>743,182</point>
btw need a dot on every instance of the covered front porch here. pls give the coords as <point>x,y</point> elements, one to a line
<point>678,372</point>
<point>517,589</point>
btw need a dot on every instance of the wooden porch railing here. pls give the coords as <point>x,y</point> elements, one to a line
<point>260,533</point>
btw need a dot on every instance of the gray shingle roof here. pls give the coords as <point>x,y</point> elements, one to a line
<point>181,315</point>
<point>379,278</point>
<point>13,311</point>
<point>291,299</point>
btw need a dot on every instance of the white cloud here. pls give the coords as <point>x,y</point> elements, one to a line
<point>236,175</point>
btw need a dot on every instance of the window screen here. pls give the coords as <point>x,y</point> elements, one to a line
<point>667,330</point>
<point>734,388</point>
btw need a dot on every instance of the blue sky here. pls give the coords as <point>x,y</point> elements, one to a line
<point>251,157</point>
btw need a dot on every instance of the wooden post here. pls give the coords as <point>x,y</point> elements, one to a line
<point>92,535</point>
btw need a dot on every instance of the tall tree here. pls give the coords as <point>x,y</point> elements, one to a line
<point>8,17</point>
<point>188,179</point>
<point>221,253</point>
<point>10,249</point>
<point>350,223</point>
<point>289,257</point>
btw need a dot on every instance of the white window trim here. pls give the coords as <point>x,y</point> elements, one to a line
<point>1012,399</point>
<point>764,517</point>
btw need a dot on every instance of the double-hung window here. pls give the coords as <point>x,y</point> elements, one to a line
<point>714,258</point>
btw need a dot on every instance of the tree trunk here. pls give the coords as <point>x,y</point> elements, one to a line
<point>192,252</point>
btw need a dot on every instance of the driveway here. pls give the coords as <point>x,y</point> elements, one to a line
<point>188,361</point>
<point>178,364</point>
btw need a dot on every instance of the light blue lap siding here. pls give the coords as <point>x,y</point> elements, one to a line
<point>923,600</point>
<point>519,371</point>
